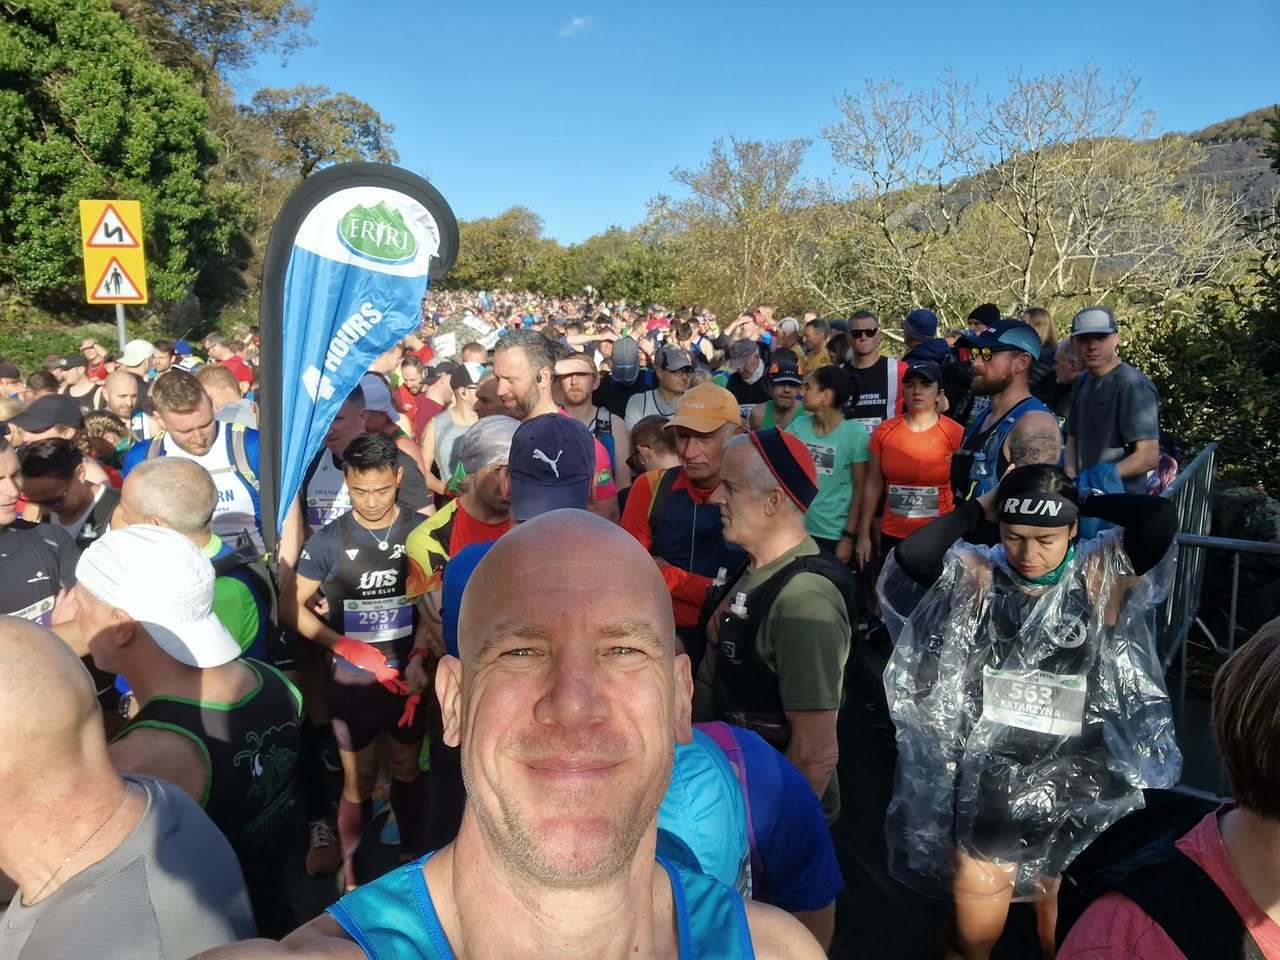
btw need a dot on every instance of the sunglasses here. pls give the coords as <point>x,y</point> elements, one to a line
<point>859,334</point>
<point>53,503</point>
<point>986,353</point>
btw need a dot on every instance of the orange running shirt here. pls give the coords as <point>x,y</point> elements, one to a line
<point>917,472</point>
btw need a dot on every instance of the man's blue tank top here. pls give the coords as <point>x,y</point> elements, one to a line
<point>394,918</point>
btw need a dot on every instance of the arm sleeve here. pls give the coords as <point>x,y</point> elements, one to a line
<point>413,493</point>
<point>810,633</point>
<point>1139,415</point>
<point>234,606</point>
<point>1150,524</point>
<point>861,442</point>
<point>800,867</point>
<point>315,562</point>
<point>920,555</point>
<point>1113,927</point>
<point>688,594</point>
<point>635,519</point>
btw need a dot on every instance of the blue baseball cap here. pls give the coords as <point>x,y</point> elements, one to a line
<point>552,460</point>
<point>921,323</point>
<point>1007,335</point>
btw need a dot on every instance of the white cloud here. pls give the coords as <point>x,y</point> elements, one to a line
<point>574,25</point>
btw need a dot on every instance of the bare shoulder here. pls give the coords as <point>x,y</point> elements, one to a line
<point>321,939</point>
<point>163,753</point>
<point>776,935</point>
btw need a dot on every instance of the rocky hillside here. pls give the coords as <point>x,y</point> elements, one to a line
<point>1235,154</point>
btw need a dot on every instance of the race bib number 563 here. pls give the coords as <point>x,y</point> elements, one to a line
<point>1034,700</point>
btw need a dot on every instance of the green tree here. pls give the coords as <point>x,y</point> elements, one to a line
<point>217,35</point>
<point>736,226</point>
<point>86,112</point>
<point>496,252</point>
<point>312,127</point>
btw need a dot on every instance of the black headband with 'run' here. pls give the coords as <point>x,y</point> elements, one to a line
<point>1037,509</point>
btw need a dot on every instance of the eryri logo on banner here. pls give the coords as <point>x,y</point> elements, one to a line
<point>351,330</point>
<point>378,233</point>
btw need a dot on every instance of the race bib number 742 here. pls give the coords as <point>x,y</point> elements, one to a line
<point>1034,700</point>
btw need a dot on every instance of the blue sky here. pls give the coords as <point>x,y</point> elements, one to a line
<point>580,111</point>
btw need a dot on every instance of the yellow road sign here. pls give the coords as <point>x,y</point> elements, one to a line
<point>115,266</point>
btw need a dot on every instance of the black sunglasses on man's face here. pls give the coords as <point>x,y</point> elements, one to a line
<point>859,334</point>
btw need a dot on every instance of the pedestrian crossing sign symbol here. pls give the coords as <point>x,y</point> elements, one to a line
<point>116,286</point>
<point>115,269</point>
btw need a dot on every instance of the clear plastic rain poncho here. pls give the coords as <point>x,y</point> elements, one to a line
<point>1028,718</point>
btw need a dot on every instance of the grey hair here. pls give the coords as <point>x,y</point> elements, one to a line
<point>759,477</point>
<point>1067,350</point>
<point>536,347</point>
<point>176,491</point>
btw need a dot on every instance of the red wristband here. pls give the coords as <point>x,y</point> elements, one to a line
<point>418,652</point>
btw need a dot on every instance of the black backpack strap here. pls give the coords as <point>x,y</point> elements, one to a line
<point>767,593</point>
<point>1178,895</point>
<point>604,422</point>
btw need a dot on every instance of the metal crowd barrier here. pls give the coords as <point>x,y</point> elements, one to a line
<point>1192,491</point>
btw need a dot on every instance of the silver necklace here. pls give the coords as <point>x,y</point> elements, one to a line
<point>74,853</point>
<point>383,544</point>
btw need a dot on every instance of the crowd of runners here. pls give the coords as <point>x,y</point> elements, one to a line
<point>606,620</point>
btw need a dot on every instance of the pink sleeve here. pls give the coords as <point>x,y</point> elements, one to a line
<point>602,484</point>
<point>1116,928</point>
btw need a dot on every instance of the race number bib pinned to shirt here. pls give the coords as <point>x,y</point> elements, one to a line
<point>824,458</point>
<point>379,620</point>
<point>324,508</point>
<point>913,502</point>
<point>870,423</point>
<point>40,612</point>
<point>1034,700</point>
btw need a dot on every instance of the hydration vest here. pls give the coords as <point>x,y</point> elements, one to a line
<point>745,688</point>
<point>394,917</point>
<point>602,430</point>
<point>977,466</point>
<point>685,533</point>
<point>233,440</point>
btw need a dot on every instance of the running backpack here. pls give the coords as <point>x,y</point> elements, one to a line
<point>1137,856</point>
<point>239,454</point>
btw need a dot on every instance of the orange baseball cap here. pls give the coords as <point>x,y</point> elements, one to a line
<point>705,409</point>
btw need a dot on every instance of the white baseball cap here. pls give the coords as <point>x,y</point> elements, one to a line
<point>159,578</point>
<point>136,353</point>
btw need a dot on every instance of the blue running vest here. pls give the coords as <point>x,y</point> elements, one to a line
<point>393,918</point>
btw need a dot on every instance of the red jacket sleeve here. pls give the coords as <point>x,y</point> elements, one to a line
<point>688,590</point>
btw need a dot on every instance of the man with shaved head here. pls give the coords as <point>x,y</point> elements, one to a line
<point>107,867</point>
<point>179,494</point>
<point>123,394</point>
<point>567,701</point>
